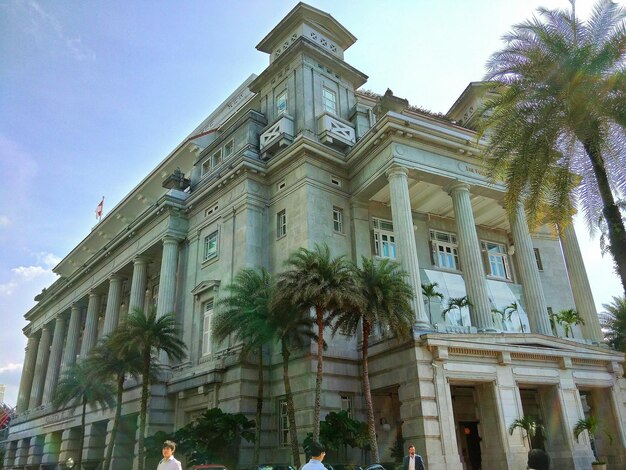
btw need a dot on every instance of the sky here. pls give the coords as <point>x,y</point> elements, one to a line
<point>94,94</point>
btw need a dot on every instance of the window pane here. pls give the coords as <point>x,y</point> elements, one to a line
<point>281,102</point>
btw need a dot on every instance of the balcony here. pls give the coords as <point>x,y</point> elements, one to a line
<point>277,136</point>
<point>335,132</point>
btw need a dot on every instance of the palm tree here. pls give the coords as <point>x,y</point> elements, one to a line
<point>78,386</point>
<point>315,280</point>
<point>456,303</point>
<point>556,124</point>
<point>567,319</point>
<point>105,362</point>
<point>592,426</point>
<point>529,426</point>
<point>382,298</point>
<point>507,312</point>
<point>243,314</point>
<point>292,329</point>
<point>429,292</point>
<point>148,335</point>
<point>614,324</point>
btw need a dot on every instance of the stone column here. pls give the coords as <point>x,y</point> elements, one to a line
<point>471,258</point>
<point>70,444</point>
<point>52,376</point>
<point>579,282</point>
<point>167,278</point>
<point>43,352</point>
<point>73,335</point>
<point>403,229</point>
<point>28,371</point>
<point>114,298</point>
<point>90,334</point>
<point>51,449</point>
<point>35,451</point>
<point>138,285</point>
<point>9,456</point>
<point>21,452</point>
<point>534,298</point>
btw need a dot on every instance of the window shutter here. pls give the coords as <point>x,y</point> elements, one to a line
<point>431,245</point>
<point>486,264</point>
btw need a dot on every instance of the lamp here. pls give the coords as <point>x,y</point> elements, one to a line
<point>69,463</point>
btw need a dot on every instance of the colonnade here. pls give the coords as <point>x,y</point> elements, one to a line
<point>471,260</point>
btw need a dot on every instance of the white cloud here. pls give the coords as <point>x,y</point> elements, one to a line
<point>10,367</point>
<point>4,221</point>
<point>8,288</point>
<point>48,259</point>
<point>32,276</point>
<point>42,22</point>
<point>30,272</point>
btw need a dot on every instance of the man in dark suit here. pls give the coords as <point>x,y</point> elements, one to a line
<point>413,461</point>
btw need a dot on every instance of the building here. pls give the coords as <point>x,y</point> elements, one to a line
<point>296,156</point>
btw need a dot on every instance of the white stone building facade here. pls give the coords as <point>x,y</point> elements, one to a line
<point>297,156</point>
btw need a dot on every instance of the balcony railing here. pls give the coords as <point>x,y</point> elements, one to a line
<point>277,136</point>
<point>335,131</point>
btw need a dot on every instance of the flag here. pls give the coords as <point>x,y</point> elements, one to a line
<point>99,209</point>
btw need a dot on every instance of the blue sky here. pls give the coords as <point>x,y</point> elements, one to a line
<point>94,94</point>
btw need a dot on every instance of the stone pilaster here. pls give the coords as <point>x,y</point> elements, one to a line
<point>73,335</point>
<point>403,230</point>
<point>21,452</point>
<point>534,298</point>
<point>43,353</point>
<point>54,364</point>
<point>138,285</point>
<point>167,278</point>
<point>51,449</point>
<point>69,444</point>
<point>28,371</point>
<point>35,451</point>
<point>361,238</point>
<point>93,447</point>
<point>579,282</point>
<point>114,298</point>
<point>90,334</point>
<point>470,257</point>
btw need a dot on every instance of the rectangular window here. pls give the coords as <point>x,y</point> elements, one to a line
<point>283,423</point>
<point>229,148</point>
<point>538,259</point>
<point>338,219</point>
<point>346,404</point>
<point>206,167</point>
<point>207,311</point>
<point>496,259</point>
<point>281,224</point>
<point>445,249</point>
<point>330,100</point>
<point>210,246</point>
<point>216,159</point>
<point>384,239</point>
<point>281,102</point>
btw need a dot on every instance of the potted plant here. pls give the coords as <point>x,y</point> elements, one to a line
<point>528,425</point>
<point>592,426</point>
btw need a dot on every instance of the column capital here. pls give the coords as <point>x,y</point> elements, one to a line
<point>141,259</point>
<point>456,186</point>
<point>93,293</point>
<point>171,239</point>
<point>116,277</point>
<point>397,171</point>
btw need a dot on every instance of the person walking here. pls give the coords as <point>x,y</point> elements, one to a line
<point>318,453</point>
<point>413,461</point>
<point>168,462</point>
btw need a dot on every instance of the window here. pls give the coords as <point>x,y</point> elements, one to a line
<point>330,100</point>
<point>384,239</point>
<point>229,148</point>
<point>216,159</point>
<point>281,102</point>
<point>281,224</point>
<point>346,404</point>
<point>338,219</point>
<point>444,250</point>
<point>206,167</point>
<point>283,423</point>
<point>207,311</point>
<point>496,260</point>
<point>281,185</point>
<point>538,259</point>
<point>210,246</point>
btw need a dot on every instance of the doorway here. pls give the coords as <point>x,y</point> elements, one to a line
<point>471,444</point>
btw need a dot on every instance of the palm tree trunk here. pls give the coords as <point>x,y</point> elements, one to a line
<point>614,222</point>
<point>291,412</point>
<point>81,441</point>
<point>320,373</point>
<point>259,411</point>
<point>143,412</point>
<point>371,425</point>
<point>116,421</point>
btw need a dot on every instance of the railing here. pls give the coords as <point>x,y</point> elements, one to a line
<point>335,131</point>
<point>277,135</point>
